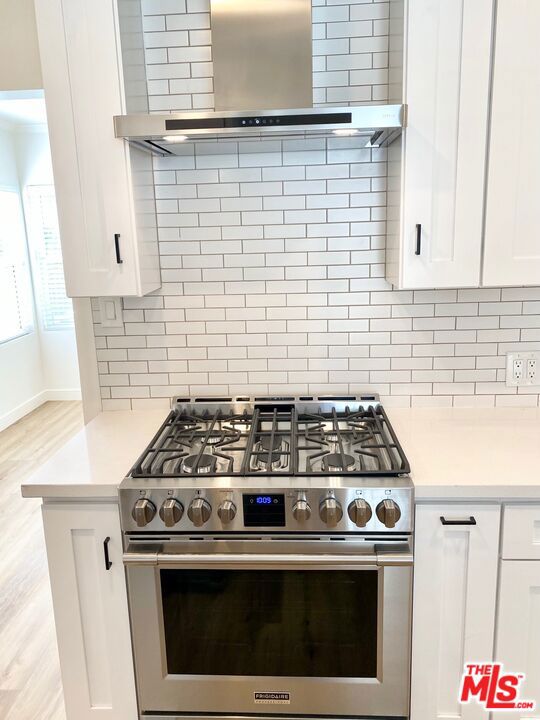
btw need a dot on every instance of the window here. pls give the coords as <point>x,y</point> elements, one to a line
<point>55,308</point>
<point>15,286</point>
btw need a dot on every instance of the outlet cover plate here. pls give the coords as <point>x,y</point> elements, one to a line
<point>524,380</point>
<point>110,310</point>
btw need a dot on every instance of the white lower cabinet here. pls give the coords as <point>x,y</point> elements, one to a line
<point>91,610</point>
<point>518,628</point>
<point>455,588</point>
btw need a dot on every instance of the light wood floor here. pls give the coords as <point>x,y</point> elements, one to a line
<point>30,686</point>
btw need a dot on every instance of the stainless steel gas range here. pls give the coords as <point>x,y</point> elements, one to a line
<point>268,550</point>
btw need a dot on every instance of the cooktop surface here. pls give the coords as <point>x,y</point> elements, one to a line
<point>274,436</point>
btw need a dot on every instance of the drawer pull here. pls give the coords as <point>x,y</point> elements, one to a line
<point>108,563</point>
<point>464,521</point>
<point>418,249</point>
<point>119,260</point>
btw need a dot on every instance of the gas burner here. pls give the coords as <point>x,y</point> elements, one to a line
<point>338,462</point>
<point>263,464</point>
<point>184,426</point>
<point>200,465</point>
<point>266,460</point>
<point>240,424</point>
<point>267,441</point>
<point>215,437</point>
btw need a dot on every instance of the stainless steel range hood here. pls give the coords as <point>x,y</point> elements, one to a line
<point>165,134</point>
<point>262,56</point>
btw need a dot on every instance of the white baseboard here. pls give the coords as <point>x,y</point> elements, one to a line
<point>34,402</point>
<point>74,394</point>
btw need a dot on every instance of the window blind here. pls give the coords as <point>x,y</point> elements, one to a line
<point>55,307</point>
<point>15,285</point>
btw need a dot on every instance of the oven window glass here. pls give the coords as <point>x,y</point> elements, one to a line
<point>272,623</point>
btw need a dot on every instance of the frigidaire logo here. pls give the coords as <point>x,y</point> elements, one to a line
<point>490,686</point>
<point>272,698</point>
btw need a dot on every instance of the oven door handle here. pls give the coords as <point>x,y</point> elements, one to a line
<point>229,561</point>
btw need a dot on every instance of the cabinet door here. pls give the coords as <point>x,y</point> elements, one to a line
<point>446,89</point>
<point>455,586</point>
<point>521,534</point>
<point>82,73</point>
<point>91,612</point>
<point>518,628</point>
<point>512,241</point>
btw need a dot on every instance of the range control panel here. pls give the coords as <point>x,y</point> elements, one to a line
<point>340,510</point>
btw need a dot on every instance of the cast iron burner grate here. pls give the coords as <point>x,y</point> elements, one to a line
<point>270,440</point>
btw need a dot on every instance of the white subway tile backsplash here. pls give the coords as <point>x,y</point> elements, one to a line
<point>337,13</point>
<point>370,11</point>
<point>188,21</point>
<point>520,321</point>
<point>162,7</point>
<point>273,253</point>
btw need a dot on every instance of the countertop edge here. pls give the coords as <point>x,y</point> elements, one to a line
<point>422,493</point>
<point>478,493</point>
<point>71,492</point>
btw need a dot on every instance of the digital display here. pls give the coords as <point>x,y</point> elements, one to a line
<point>335,118</point>
<point>264,510</point>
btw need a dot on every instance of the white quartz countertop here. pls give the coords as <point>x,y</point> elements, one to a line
<point>96,460</point>
<point>463,453</point>
<point>455,454</point>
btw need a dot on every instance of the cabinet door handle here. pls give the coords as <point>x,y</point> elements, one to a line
<point>464,521</point>
<point>108,563</point>
<point>418,248</point>
<point>117,248</point>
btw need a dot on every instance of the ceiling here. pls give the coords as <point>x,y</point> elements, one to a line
<point>17,110</point>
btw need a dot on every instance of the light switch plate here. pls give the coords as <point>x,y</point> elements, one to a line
<point>110,310</point>
<point>523,369</point>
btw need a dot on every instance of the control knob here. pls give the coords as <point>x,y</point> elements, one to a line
<point>359,512</point>
<point>171,512</point>
<point>330,511</point>
<point>227,511</point>
<point>388,513</point>
<point>301,510</point>
<point>143,512</point>
<point>199,511</point>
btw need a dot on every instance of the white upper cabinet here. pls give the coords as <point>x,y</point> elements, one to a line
<point>512,238</point>
<point>446,88</point>
<point>104,188</point>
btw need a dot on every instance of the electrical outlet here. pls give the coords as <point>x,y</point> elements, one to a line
<point>531,371</point>
<point>522,369</point>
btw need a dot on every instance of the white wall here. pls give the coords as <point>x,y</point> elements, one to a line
<point>21,376</point>
<point>42,365</point>
<point>58,347</point>
<point>20,67</point>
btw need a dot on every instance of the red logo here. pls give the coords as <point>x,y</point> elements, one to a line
<point>489,685</point>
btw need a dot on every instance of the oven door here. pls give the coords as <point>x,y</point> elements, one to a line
<point>238,628</point>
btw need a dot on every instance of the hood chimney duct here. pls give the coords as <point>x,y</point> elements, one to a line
<point>262,54</point>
